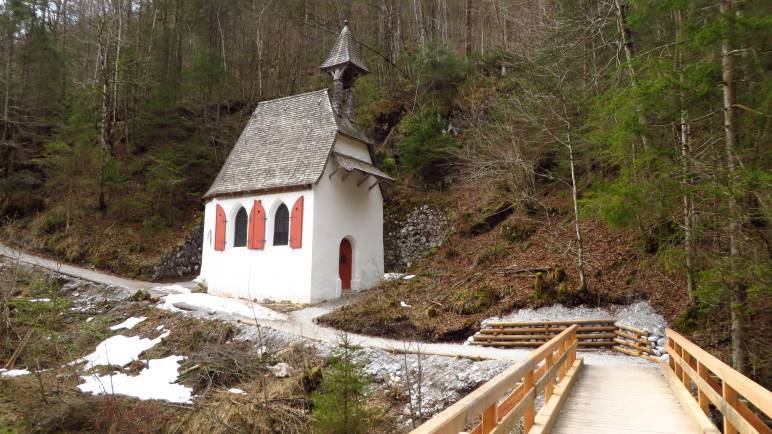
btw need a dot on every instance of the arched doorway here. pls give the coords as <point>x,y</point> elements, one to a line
<point>344,265</point>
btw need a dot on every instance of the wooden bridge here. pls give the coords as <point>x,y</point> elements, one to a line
<point>685,395</point>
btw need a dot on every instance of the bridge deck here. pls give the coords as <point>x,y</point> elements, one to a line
<point>617,400</point>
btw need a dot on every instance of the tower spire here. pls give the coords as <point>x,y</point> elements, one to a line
<point>345,63</point>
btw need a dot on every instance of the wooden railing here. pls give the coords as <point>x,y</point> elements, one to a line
<point>717,383</point>
<point>634,342</point>
<point>497,406</point>
<point>589,333</point>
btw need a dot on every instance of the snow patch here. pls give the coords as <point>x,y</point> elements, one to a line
<point>172,289</point>
<point>408,277</point>
<point>236,391</point>
<point>393,276</point>
<point>154,382</point>
<point>214,304</point>
<point>129,323</point>
<point>120,350</point>
<point>13,372</point>
<point>40,300</point>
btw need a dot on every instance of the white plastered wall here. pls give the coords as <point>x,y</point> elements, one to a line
<point>277,273</point>
<point>343,209</point>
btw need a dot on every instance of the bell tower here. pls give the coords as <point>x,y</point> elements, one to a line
<point>345,63</point>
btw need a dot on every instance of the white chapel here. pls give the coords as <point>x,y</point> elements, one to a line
<point>296,212</point>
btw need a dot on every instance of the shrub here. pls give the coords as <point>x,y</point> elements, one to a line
<point>341,404</point>
<point>425,146</point>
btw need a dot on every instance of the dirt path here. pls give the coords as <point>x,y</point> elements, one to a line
<point>301,322</point>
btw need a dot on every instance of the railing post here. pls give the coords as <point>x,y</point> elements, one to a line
<point>530,409</point>
<point>730,396</point>
<point>548,377</point>
<point>490,418</point>
<point>702,398</point>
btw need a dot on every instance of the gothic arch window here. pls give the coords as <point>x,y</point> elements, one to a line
<point>240,228</point>
<point>281,226</point>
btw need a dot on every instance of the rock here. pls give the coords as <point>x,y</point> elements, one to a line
<point>665,357</point>
<point>409,239</point>
<point>281,370</point>
<point>661,342</point>
<point>185,306</point>
<point>657,352</point>
<point>140,295</point>
<point>653,338</point>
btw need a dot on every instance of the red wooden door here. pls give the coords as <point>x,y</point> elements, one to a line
<point>344,265</point>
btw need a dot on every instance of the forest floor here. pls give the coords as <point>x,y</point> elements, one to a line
<point>481,273</point>
<point>85,357</point>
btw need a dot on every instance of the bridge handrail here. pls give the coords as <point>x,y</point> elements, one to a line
<point>497,414</point>
<point>692,364</point>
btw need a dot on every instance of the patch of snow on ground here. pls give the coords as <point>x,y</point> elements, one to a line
<point>640,314</point>
<point>393,276</point>
<point>129,323</point>
<point>236,391</point>
<point>154,382</point>
<point>172,289</point>
<point>13,372</point>
<point>120,350</point>
<point>215,304</point>
<point>40,300</point>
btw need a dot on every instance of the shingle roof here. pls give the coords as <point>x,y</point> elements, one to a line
<point>350,163</point>
<point>346,50</point>
<point>286,143</point>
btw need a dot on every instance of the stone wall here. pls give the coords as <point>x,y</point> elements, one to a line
<point>183,260</point>
<point>409,239</point>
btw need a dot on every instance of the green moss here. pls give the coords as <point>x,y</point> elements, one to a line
<point>490,255</point>
<point>472,301</point>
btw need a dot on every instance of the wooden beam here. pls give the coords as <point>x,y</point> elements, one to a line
<point>364,178</point>
<point>372,186</point>
<point>333,173</point>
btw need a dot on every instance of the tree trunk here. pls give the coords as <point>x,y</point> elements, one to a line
<point>731,130</point>
<point>575,197</point>
<point>468,30</point>
<point>686,167</point>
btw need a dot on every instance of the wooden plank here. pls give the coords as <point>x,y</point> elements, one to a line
<point>548,414</point>
<point>624,334</point>
<point>622,400</point>
<point>635,330</point>
<point>544,330</point>
<point>635,345</point>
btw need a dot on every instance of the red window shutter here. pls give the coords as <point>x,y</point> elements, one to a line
<point>219,229</point>
<point>296,224</point>
<point>257,226</point>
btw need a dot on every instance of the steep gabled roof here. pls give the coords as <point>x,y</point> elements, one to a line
<point>286,143</point>
<point>346,50</point>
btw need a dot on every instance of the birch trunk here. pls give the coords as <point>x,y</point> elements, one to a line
<point>575,197</point>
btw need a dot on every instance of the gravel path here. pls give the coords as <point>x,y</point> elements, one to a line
<point>301,323</point>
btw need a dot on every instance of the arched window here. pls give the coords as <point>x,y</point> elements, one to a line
<point>240,228</point>
<point>281,226</point>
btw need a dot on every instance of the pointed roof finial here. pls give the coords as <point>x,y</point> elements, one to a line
<point>345,51</point>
